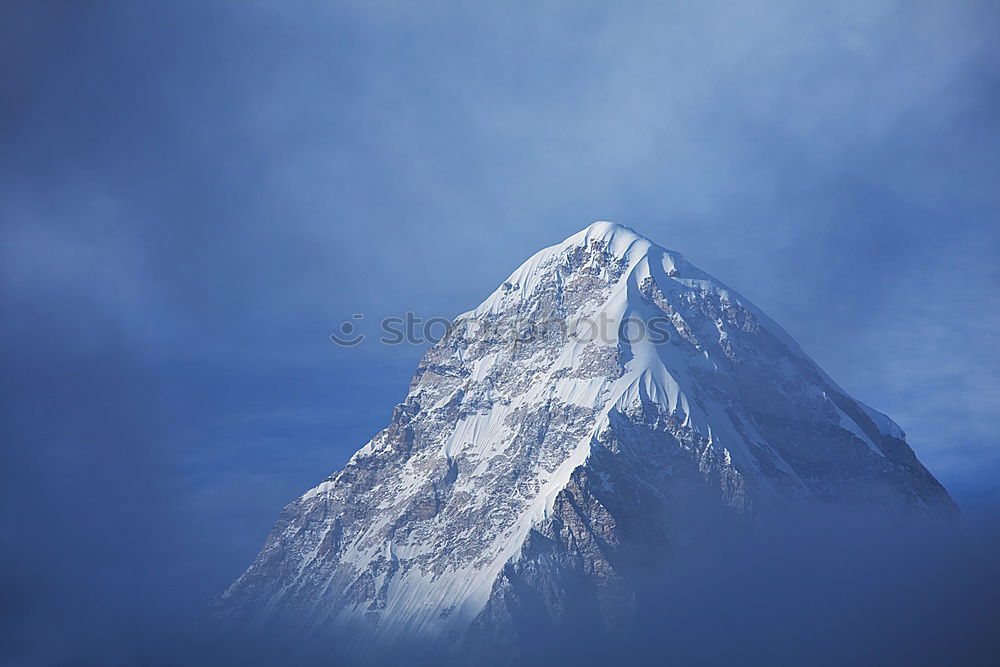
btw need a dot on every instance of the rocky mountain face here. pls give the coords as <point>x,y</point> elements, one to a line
<point>606,404</point>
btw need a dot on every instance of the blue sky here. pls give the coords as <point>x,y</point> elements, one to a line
<point>194,195</point>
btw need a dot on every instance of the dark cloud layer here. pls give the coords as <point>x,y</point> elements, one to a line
<point>193,195</point>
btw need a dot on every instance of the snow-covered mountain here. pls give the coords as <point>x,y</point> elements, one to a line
<point>538,466</point>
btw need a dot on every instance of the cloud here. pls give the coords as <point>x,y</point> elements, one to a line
<point>194,196</point>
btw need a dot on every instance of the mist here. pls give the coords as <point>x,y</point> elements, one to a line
<point>194,196</point>
<point>839,588</point>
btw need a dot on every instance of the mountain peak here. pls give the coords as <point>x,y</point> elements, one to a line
<point>617,238</point>
<point>520,475</point>
<point>609,250</point>
<point>605,230</point>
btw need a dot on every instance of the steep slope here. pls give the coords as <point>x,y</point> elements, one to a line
<point>547,455</point>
